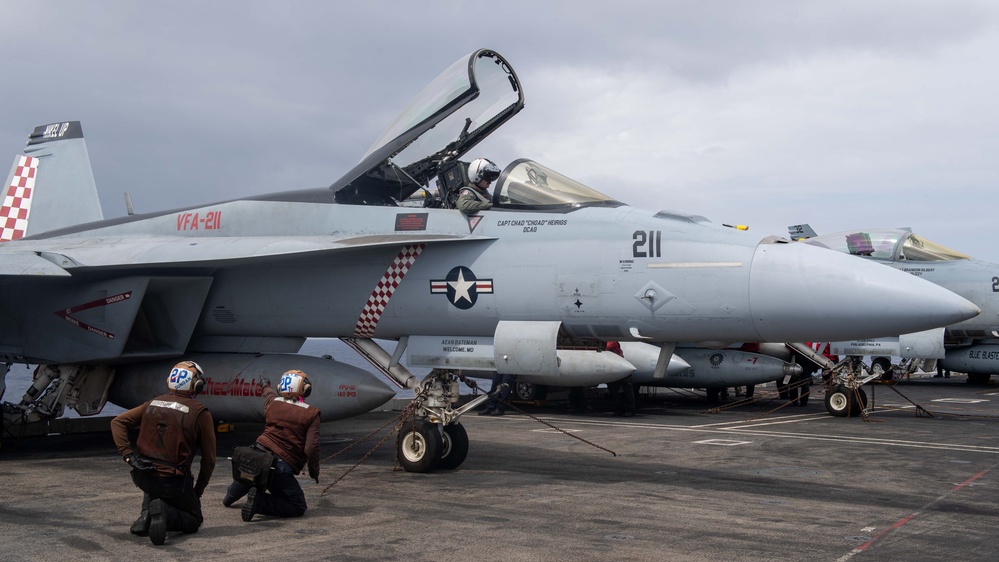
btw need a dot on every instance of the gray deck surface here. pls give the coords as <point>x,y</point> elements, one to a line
<point>686,484</point>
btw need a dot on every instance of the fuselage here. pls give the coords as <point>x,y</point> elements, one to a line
<point>287,269</point>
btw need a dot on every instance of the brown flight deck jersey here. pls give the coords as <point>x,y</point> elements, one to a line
<point>170,428</point>
<point>292,431</point>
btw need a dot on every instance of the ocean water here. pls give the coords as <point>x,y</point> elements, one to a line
<point>19,377</point>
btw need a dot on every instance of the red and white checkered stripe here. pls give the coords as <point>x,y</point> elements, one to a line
<point>379,298</point>
<point>17,202</point>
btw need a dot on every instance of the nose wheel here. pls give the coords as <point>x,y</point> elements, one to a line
<point>455,448</point>
<point>419,446</point>
<point>423,447</point>
<point>841,401</point>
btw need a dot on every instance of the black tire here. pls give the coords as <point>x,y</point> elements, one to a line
<point>882,366</point>
<point>838,401</point>
<point>418,447</point>
<point>842,401</point>
<point>529,392</point>
<point>979,378</point>
<point>455,445</point>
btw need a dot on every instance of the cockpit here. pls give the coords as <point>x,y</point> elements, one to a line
<point>461,107</point>
<point>889,244</point>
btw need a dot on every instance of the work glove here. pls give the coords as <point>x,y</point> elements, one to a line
<point>137,462</point>
<point>314,474</point>
<point>264,381</point>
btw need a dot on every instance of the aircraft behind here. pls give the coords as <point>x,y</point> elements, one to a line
<point>970,346</point>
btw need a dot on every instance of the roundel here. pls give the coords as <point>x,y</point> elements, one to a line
<point>716,359</point>
<point>462,287</point>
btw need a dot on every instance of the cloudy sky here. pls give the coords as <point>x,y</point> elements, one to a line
<point>842,114</point>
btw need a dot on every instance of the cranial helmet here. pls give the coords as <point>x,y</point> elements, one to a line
<point>294,384</point>
<point>482,169</point>
<point>186,377</point>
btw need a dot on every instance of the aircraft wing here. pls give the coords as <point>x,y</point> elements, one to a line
<point>60,256</point>
<point>28,263</point>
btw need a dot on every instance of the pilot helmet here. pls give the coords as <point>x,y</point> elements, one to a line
<point>186,377</point>
<point>482,169</point>
<point>294,384</point>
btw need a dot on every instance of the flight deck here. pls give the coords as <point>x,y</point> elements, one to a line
<point>683,483</point>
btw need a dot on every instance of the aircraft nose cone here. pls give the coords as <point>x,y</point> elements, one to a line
<point>802,293</point>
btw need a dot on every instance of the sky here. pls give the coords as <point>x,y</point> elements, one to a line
<point>842,115</point>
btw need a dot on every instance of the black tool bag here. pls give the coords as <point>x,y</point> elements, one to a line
<point>251,466</point>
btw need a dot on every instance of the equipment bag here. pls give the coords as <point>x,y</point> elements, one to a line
<point>252,467</point>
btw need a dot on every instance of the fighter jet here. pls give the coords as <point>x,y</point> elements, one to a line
<point>970,346</point>
<point>554,266</point>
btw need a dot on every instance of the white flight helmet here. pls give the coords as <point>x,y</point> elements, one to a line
<point>186,377</point>
<point>482,169</point>
<point>293,384</point>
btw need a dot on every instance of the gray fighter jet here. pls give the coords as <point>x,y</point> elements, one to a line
<point>552,268</point>
<point>970,346</point>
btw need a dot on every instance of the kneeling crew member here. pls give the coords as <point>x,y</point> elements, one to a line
<point>292,435</point>
<point>172,428</point>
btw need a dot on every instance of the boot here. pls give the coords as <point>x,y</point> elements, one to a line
<point>141,525</point>
<point>157,522</point>
<point>228,500</point>
<point>250,507</point>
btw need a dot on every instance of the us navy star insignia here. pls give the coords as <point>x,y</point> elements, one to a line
<point>461,287</point>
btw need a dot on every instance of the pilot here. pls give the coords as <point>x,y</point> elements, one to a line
<point>291,434</point>
<point>475,197</point>
<point>172,428</point>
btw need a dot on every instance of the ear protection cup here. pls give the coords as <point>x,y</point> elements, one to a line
<point>306,388</point>
<point>199,384</point>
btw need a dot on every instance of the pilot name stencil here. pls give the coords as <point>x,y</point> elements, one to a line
<point>532,225</point>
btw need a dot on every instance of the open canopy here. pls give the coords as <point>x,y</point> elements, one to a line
<point>468,101</point>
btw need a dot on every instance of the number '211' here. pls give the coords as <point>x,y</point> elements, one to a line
<point>648,244</point>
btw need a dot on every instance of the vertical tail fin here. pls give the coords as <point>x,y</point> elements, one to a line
<point>51,185</point>
<point>17,198</point>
